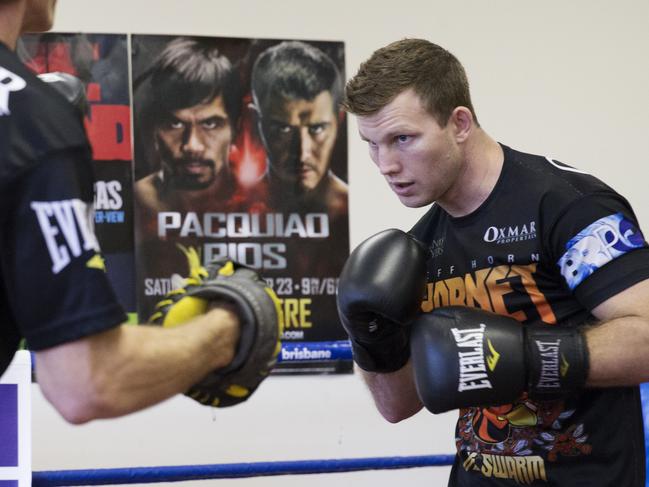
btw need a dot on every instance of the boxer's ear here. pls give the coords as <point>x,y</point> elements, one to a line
<point>462,123</point>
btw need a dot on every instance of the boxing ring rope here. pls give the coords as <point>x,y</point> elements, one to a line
<point>141,475</point>
<point>291,352</point>
<point>296,352</point>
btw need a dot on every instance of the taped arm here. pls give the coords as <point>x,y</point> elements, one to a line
<point>619,345</point>
<point>394,393</point>
<point>129,368</point>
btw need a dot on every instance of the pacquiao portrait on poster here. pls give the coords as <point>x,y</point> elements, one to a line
<point>241,152</point>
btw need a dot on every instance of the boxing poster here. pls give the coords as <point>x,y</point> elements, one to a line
<point>100,61</point>
<point>240,153</point>
<point>217,148</point>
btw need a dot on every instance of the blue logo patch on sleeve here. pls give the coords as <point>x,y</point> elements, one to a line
<point>597,245</point>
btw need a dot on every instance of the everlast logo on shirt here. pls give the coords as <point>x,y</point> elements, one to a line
<point>473,369</point>
<point>67,228</point>
<point>550,368</point>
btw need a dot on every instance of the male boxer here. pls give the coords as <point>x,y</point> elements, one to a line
<point>187,106</point>
<point>55,293</point>
<point>535,313</point>
<point>188,111</point>
<point>296,90</point>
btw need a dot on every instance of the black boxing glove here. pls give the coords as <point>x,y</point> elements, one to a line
<point>466,357</point>
<point>379,291</point>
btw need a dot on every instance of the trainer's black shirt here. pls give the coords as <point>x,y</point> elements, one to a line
<point>548,245</point>
<point>53,286</point>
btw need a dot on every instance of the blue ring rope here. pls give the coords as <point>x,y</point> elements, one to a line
<point>145,475</point>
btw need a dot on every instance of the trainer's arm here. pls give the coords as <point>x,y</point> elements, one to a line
<point>128,368</point>
<point>619,346</point>
<point>394,393</point>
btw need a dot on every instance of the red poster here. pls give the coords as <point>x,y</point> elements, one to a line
<point>100,61</point>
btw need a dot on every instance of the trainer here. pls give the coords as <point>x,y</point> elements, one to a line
<point>534,321</point>
<point>54,292</point>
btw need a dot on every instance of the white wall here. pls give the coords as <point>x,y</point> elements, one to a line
<point>566,79</point>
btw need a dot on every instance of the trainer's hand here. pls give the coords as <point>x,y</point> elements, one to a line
<point>464,357</point>
<point>379,292</point>
<point>260,319</point>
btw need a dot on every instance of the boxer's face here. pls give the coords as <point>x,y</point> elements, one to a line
<point>299,136</point>
<point>419,159</point>
<point>194,144</point>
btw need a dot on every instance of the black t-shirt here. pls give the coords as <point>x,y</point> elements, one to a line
<point>547,246</point>
<point>53,286</point>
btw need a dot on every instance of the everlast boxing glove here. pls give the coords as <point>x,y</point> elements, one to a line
<point>465,357</point>
<point>379,292</point>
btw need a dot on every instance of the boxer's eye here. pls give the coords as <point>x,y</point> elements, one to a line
<point>173,125</point>
<point>213,123</point>
<point>402,139</point>
<point>317,128</point>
